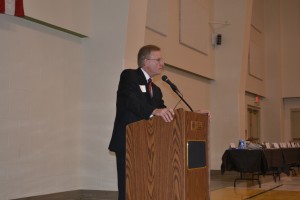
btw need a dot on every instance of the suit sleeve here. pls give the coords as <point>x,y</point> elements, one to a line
<point>130,96</point>
<point>158,97</point>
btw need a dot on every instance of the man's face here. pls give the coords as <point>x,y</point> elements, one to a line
<point>154,63</point>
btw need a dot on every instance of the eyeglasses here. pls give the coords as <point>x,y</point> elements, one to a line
<point>156,59</point>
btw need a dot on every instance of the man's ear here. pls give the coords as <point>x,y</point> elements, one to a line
<point>144,62</point>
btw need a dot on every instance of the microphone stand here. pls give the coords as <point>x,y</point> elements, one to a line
<point>181,97</point>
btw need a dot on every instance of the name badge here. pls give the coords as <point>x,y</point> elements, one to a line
<point>143,88</point>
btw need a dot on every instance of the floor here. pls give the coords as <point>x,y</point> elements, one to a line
<point>288,188</point>
<point>221,188</point>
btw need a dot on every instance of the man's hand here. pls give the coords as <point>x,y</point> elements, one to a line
<point>166,113</point>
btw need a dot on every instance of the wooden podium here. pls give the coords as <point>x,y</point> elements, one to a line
<point>168,161</point>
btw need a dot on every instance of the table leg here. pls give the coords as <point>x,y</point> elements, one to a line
<point>250,179</point>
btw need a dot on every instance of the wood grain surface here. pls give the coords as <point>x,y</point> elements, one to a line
<point>156,159</point>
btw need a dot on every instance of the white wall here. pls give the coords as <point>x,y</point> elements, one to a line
<point>39,109</point>
<point>290,30</point>
<point>103,62</point>
<point>228,89</point>
<point>272,104</point>
<point>58,103</point>
<point>290,62</point>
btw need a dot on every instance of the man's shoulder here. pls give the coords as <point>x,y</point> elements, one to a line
<point>128,71</point>
<point>131,72</point>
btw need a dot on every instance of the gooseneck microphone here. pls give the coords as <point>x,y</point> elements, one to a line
<point>175,89</point>
<point>172,85</point>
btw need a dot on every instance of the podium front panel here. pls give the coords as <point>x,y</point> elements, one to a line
<point>156,160</point>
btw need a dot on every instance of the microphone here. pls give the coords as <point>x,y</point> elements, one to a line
<point>172,85</point>
<point>175,89</point>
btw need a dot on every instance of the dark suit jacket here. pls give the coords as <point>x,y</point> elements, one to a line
<point>132,105</point>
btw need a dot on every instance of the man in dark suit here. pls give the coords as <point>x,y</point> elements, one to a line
<point>137,98</point>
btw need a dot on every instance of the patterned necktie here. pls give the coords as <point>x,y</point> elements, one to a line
<point>149,86</point>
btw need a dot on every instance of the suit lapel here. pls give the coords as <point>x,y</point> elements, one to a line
<point>143,81</point>
<point>141,77</point>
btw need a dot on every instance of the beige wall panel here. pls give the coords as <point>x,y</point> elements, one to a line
<point>194,26</point>
<point>256,58</point>
<point>255,82</point>
<point>157,16</point>
<point>135,36</point>
<point>258,15</point>
<point>195,89</point>
<point>255,86</point>
<point>69,14</point>
<point>177,54</point>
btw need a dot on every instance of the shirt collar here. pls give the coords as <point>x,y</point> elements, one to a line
<point>145,74</point>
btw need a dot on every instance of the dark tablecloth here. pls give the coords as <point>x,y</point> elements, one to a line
<point>243,160</point>
<point>261,161</point>
<point>275,160</point>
